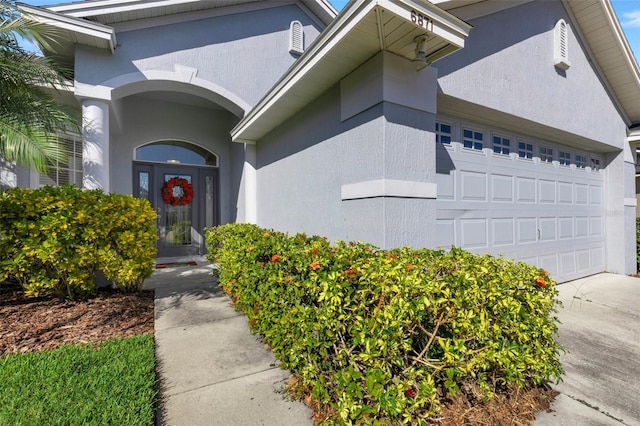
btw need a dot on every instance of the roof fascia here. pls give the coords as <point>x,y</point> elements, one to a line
<point>350,16</point>
<point>72,24</point>
<point>320,8</point>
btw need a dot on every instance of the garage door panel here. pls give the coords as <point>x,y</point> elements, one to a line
<point>565,228</point>
<point>565,193</point>
<point>473,233</point>
<point>502,232</point>
<point>525,190</point>
<point>582,193</point>
<point>501,188</point>
<point>547,191</point>
<point>547,229</point>
<point>544,214</point>
<point>567,263</point>
<point>595,195</point>
<point>473,186</point>
<point>445,233</point>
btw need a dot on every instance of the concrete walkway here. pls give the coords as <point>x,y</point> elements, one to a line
<point>214,372</point>
<point>601,331</point>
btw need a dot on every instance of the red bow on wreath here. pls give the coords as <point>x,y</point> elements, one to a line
<point>177,192</point>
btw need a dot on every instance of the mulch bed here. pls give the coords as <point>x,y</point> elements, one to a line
<point>42,323</point>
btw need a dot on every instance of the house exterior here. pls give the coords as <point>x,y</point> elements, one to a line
<point>499,127</point>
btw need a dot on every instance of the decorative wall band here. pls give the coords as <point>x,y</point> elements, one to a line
<point>389,188</point>
<point>630,202</point>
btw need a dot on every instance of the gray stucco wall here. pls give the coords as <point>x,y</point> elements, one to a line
<point>245,53</point>
<point>507,65</point>
<point>146,120</point>
<point>303,164</point>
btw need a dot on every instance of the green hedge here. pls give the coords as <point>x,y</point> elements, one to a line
<point>58,239</point>
<point>638,243</point>
<point>385,335</point>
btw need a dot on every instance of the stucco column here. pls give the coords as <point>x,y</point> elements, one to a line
<point>392,202</point>
<point>250,185</point>
<point>95,144</point>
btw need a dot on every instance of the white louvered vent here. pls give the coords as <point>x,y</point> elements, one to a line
<point>296,38</point>
<point>561,45</point>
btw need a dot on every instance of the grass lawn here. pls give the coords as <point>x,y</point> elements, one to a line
<point>108,384</point>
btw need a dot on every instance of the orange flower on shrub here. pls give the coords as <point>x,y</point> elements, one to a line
<point>314,265</point>
<point>314,251</point>
<point>275,257</point>
<point>261,264</point>
<point>409,268</point>
<point>541,282</point>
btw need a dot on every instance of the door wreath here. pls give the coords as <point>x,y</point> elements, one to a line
<point>177,192</point>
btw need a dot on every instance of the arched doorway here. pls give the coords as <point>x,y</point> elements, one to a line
<point>172,167</point>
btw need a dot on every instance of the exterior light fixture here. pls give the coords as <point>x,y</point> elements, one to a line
<point>421,52</point>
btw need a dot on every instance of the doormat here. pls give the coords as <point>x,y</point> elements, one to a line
<point>175,264</point>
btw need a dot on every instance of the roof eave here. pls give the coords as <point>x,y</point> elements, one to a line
<point>346,21</point>
<point>73,30</point>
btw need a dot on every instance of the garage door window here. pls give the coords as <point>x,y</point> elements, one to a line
<point>525,150</point>
<point>564,158</point>
<point>443,133</point>
<point>472,140</point>
<point>501,145</point>
<point>581,161</point>
<point>546,154</point>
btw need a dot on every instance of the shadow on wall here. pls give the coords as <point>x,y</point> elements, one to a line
<point>320,121</point>
<point>8,175</point>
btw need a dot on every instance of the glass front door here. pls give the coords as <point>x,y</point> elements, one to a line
<point>185,200</point>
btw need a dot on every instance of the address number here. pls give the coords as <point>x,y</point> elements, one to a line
<point>421,20</point>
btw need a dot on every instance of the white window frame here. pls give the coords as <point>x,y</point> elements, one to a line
<point>501,145</point>
<point>440,133</point>
<point>474,141</point>
<point>546,155</point>
<point>529,152</point>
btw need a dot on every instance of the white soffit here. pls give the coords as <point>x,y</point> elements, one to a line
<point>361,30</point>
<point>114,11</point>
<point>601,30</point>
<point>68,31</point>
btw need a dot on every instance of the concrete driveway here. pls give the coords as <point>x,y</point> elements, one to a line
<point>601,331</point>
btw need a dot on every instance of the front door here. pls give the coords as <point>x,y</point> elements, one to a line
<point>182,214</point>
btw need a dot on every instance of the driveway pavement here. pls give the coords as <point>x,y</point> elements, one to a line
<point>601,331</point>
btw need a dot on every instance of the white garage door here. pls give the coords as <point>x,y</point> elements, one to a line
<point>528,200</point>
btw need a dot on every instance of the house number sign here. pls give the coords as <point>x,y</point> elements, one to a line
<point>422,21</point>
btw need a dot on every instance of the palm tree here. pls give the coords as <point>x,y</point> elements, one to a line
<point>29,118</point>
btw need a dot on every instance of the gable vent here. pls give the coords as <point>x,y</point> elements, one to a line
<point>561,45</point>
<point>296,38</point>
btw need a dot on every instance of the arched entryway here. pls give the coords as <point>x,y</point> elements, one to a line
<point>177,168</point>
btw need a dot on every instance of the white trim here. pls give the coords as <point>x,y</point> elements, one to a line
<point>630,202</point>
<point>95,30</point>
<point>320,8</point>
<point>250,185</point>
<point>136,82</point>
<point>185,141</point>
<point>389,188</point>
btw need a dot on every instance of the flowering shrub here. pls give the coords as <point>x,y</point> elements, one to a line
<point>384,335</point>
<point>58,238</point>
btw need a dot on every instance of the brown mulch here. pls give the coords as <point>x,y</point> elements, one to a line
<point>28,324</point>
